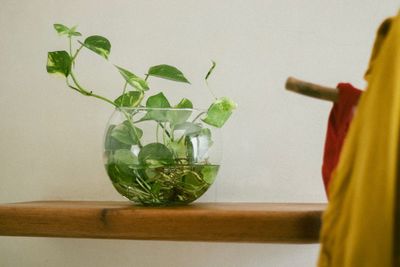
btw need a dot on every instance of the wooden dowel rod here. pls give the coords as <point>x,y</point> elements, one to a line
<point>313,90</point>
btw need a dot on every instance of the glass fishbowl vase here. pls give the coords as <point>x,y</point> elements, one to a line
<point>161,156</point>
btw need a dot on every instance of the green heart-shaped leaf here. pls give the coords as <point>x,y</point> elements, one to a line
<point>167,72</point>
<point>180,116</point>
<point>113,144</point>
<point>125,156</point>
<point>99,45</point>
<point>126,133</point>
<point>158,101</point>
<point>130,99</point>
<point>219,112</point>
<point>59,62</point>
<point>155,155</point>
<point>184,103</point>
<point>188,128</point>
<point>133,80</point>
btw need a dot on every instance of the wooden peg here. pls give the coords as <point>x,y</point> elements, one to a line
<point>312,90</point>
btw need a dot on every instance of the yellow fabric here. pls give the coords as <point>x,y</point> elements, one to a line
<point>360,225</point>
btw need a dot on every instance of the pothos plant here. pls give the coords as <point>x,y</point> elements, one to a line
<point>166,171</point>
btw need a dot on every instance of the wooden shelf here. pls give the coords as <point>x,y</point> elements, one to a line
<point>222,222</point>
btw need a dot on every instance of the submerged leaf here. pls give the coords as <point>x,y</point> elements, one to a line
<point>219,112</point>
<point>59,62</point>
<point>209,173</point>
<point>99,45</point>
<point>133,80</point>
<point>130,99</point>
<point>125,156</point>
<point>167,72</point>
<point>192,180</point>
<point>113,144</point>
<point>155,155</point>
<point>121,164</point>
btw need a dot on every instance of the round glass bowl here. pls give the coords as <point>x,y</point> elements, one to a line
<point>157,156</point>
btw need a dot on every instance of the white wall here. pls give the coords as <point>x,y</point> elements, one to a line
<point>50,138</point>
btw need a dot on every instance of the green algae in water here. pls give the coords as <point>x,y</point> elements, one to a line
<point>165,185</point>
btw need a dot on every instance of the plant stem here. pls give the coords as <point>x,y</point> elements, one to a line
<point>157,128</point>
<point>165,130</point>
<point>163,133</point>
<point>86,92</point>
<point>102,98</point>
<point>76,53</point>
<point>123,93</point>
<point>89,93</point>
<point>70,45</point>
<point>211,92</point>
<point>198,116</point>
<point>147,76</point>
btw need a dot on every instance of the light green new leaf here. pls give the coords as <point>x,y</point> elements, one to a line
<point>133,80</point>
<point>73,32</point>
<point>167,72</point>
<point>99,45</point>
<point>155,155</point>
<point>126,133</point>
<point>61,29</point>
<point>130,99</point>
<point>64,30</point>
<point>219,112</point>
<point>59,62</point>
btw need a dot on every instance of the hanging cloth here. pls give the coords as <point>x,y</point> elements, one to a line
<point>339,121</point>
<point>361,226</point>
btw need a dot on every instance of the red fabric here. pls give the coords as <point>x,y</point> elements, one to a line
<point>338,124</point>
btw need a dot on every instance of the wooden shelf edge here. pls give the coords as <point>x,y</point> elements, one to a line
<point>211,222</point>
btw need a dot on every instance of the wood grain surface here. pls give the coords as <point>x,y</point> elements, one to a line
<point>219,222</point>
